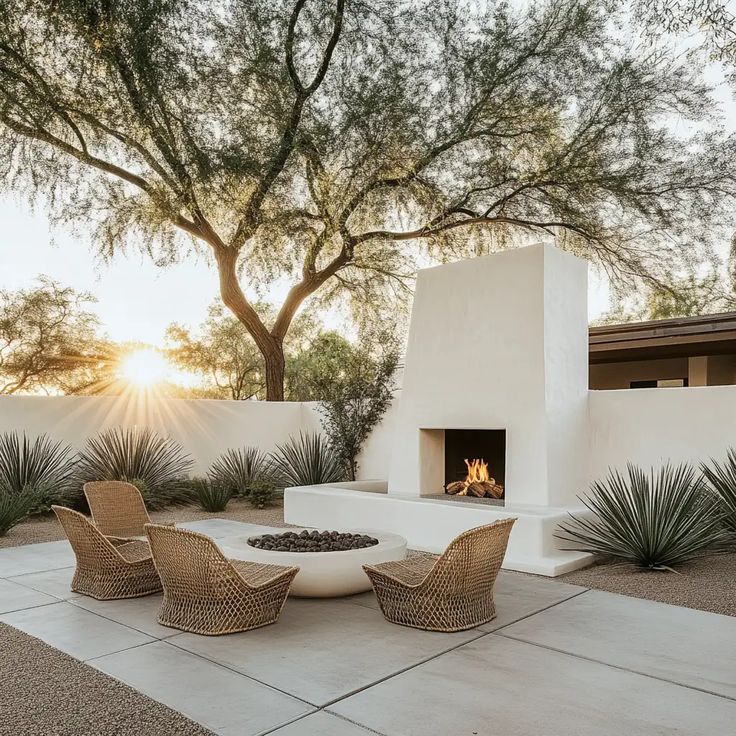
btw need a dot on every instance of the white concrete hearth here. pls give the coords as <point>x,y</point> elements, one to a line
<point>496,343</point>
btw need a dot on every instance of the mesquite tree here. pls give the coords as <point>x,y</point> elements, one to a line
<point>328,141</point>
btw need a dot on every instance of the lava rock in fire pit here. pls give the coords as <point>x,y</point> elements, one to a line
<point>312,541</point>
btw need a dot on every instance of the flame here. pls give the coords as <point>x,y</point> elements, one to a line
<point>477,471</point>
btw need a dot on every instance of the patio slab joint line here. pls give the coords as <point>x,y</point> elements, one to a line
<point>75,602</point>
<point>540,610</point>
<point>170,642</point>
<point>367,729</point>
<point>613,666</point>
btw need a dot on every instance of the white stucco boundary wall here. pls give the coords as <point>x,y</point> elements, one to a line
<point>204,428</point>
<point>649,427</point>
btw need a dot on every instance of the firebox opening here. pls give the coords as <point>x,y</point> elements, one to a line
<point>475,462</point>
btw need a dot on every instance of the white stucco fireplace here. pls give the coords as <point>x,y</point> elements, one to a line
<point>496,359</point>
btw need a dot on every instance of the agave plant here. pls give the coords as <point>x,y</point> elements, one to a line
<point>211,495</point>
<point>722,479</point>
<point>653,521</point>
<point>238,469</point>
<point>15,505</point>
<point>306,460</point>
<point>157,465</point>
<point>40,467</point>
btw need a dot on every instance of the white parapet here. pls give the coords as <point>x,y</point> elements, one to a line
<point>430,524</point>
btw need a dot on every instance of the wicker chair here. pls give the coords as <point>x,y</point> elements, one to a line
<point>450,593</point>
<point>117,508</point>
<point>205,593</point>
<point>107,567</point>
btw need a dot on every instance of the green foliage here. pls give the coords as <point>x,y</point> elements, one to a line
<point>16,504</point>
<point>42,465</point>
<point>48,340</point>
<point>654,521</point>
<point>353,402</point>
<point>306,460</point>
<point>211,495</point>
<point>261,492</point>
<point>346,143</point>
<point>321,363</point>
<point>239,469</point>
<point>722,480</point>
<point>157,465</point>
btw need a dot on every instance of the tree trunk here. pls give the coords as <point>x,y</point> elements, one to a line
<point>270,346</point>
<point>275,362</point>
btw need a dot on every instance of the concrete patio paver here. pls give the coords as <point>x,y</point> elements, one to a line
<point>15,597</point>
<point>495,686</point>
<point>322,724</point>
<point>517,595</point>
<point>140,614</point>
<point>224,701</point>
<point>557,660</point>
<point>692,648</point>
<point>321,650</point>
<point>75,631</point>
<point>35,558</point>
<point>219,528</point>
<point>52,582</point>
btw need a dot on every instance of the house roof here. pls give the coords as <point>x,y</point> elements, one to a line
<point>710,334</point>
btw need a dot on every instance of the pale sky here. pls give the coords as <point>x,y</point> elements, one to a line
<point>136,299</point>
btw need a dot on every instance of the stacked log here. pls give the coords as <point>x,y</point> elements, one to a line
<point>477,488</point>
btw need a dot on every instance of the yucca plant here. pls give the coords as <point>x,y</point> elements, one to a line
<point>722,479</point>
<point>15,505</point>
<point>306,460</point>
<point>157,465</point>
<point>210,494</point>
<point>654,520</point>
<point>239,469</point>
<point>41,465</point>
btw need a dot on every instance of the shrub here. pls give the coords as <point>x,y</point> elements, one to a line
<point>239,469</point>
<point>722,479</point>
<point>654,521</point>
<point>15,505</point>
<point>41,467</point>
<point>306,461</point>
<point>353,404</point>
<point>210,494</point>
<point>261,493</point>
<point>157,465</point>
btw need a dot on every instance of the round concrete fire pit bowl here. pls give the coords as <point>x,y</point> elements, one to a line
<point>324,574</point>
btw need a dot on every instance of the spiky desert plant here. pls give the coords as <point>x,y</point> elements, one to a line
<point>40,464</point>
<point>210,494</point>
<point>157,465</point>
<point>654,520</point>
<point>239,468</point>
<point>305,461</point>
<point>15,505</point>
<point>722,479</point>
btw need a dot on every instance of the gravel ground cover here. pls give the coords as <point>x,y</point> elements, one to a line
<point>708,584</point>
<point>45,527</point>
<point>48,693</point>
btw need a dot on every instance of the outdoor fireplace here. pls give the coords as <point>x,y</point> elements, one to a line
<point>475,462</point>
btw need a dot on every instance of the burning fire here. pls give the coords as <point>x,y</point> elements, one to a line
<point>477,471</point>
<point>478,482</point>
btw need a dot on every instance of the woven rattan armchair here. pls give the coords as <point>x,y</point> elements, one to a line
<point>107,567</point>
<point>117,508</point>
<point>450,593</point>
<point>206,593</point>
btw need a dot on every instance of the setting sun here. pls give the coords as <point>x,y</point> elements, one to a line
<point>144,368</point>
